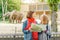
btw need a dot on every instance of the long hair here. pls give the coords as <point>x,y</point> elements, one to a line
<point>44,18</point>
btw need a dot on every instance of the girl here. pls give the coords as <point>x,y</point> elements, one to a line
<point>26,28</point>
<point>45,35</point>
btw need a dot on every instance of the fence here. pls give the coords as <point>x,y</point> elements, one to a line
<point>13,32</point>
<point>55,36</point>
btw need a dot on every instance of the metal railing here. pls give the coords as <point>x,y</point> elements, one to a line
<point>55,36</point>
<point>15,34</point>
<point>11,36</point>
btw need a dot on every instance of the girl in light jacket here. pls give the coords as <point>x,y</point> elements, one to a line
<point>46,34</point>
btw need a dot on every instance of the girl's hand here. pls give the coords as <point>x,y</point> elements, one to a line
<point>45,31</point>
<point>31,30</point>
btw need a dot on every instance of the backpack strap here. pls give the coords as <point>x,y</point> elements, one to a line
<point>47,30</point>
<point>48,36</point>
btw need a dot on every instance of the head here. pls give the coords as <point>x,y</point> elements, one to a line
<point>44,19</point>
<point>30,14</point>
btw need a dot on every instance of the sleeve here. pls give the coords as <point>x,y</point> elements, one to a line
<point>28,26</point>
<point>24,26</point>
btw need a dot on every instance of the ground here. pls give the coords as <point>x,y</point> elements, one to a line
<point>8,28</point>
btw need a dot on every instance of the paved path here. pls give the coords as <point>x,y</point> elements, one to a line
<point>10,28</point>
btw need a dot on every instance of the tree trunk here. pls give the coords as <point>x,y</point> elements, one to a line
<point>5,6</point>
<point>3,11</point>
<point>54,21</point>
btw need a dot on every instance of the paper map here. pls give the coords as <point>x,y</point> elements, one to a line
<point>38,27</point>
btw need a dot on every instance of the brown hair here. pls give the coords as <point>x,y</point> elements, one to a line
<point>29,14</point>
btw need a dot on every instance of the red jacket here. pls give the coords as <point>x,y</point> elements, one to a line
<point>34,34</point>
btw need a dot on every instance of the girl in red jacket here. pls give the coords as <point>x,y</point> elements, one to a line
<point>31,20</point>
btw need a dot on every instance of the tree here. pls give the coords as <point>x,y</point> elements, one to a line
<point>13,5</point>
<point>0,10</point>
<point>4,8</point>
<point>9,5</point>
<point>54,7</point>
<point>3,2</point>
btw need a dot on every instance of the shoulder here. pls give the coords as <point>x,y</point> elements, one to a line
<point>25,23</point>
<point>24,20</point>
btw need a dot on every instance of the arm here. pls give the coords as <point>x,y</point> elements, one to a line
<point>24,26</point>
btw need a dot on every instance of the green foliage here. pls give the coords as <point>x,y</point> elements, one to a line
<point>0,7</point>
<point>53,4</point>
<point>13,5</point>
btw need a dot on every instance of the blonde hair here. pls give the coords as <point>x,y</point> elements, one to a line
<point>44,18</point>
